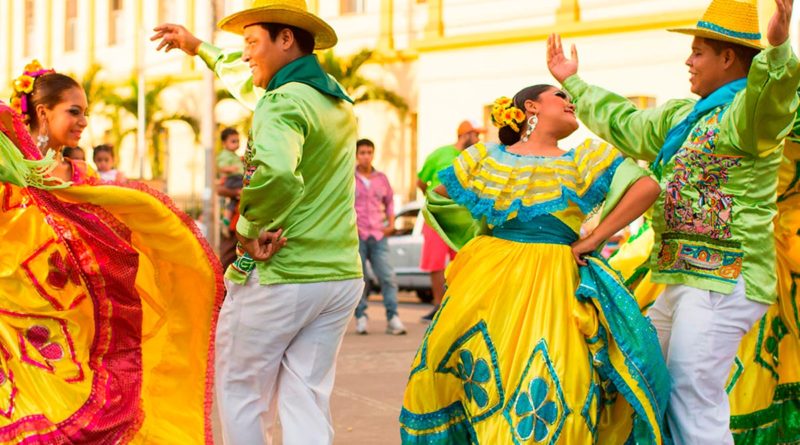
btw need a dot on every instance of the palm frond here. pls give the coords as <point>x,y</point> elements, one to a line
<point>356,61</point>
<point>347,72</point>
<point>370,91</point>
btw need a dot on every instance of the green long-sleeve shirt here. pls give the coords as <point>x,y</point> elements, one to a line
<point>713,221</point>
<point>299,177</point>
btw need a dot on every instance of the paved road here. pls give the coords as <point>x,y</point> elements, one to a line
<point>371,375</point>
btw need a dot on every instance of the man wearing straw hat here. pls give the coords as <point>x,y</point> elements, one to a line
<point>717,159</point>
<point>286,312</point>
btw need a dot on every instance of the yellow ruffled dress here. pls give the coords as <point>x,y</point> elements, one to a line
<point>514,356</point>
<point>109,303</point>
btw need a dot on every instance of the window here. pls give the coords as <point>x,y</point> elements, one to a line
<point>168,11</point>
<point>30,28</point>
<point>405,221</point>
<point>353,6</point>
<point>643,102</point>
<point>116,22</point>
<point>71,26</point>
<point>222,8</point>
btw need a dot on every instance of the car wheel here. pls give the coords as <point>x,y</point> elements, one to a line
<point>425,295</point>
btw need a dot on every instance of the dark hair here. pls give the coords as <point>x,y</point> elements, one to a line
<point>105,148</point>
<point>48,90</point>
<point>228,132</point>
<point>744,54</point>
<point>366,142</point>
<point>507,134</point>
<point>67,152</point>
<point>304,39</point>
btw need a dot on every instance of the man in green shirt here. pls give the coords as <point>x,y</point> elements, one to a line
<point>435,252</point>
<point>717,159</point>
<point>287,307</point>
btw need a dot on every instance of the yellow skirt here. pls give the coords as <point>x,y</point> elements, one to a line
<point>506,360</point>
<point>109,303</point>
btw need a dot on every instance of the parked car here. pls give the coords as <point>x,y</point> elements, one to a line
<point>405,247</point>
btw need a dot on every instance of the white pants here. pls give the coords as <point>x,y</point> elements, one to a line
<point>700,332</point>
<point>276,349</point>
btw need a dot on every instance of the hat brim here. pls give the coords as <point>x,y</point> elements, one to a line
<point>708,34</point>
<point>324,35</point>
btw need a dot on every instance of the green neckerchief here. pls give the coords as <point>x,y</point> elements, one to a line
<point>307,70</point>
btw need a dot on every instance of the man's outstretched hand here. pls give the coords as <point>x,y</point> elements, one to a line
<point>778,29</point>
<point>176,37</point>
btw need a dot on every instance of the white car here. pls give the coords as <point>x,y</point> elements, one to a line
<point>405,247</point>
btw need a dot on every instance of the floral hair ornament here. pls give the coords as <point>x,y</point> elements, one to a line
<point>505,114</point>
<point>23,86</point>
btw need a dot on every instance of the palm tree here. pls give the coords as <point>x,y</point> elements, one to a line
<point>361,89</point>
<point>154,117</point>
<point>97,91</point>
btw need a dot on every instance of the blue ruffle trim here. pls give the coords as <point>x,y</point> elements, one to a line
<point>636,338</point>
<point>448,426</point>
<point>485,207</point>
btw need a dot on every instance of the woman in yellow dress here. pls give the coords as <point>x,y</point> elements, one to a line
<point>528,347</point>
<point>109,295</point>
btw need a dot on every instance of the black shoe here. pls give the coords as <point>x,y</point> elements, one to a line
<point>429,317</point>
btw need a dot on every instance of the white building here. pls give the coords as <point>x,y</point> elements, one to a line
<point>448,58</point>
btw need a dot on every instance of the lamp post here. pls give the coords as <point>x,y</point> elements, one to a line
<point>207,130</point>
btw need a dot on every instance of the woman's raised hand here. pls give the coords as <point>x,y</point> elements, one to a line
<point>558,64</point>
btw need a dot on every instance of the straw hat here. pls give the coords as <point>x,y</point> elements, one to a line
<point>733,21</point>
<point>286,12</point>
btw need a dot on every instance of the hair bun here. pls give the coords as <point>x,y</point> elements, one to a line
<point>23,86</point>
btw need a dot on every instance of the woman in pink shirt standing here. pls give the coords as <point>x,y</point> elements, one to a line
<point>375,219</point>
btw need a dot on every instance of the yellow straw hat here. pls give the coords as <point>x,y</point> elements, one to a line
<point>733,21</point>
<point>286,12</point>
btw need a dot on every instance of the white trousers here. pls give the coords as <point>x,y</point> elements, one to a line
<point>276,349</point>
<point>700,332</point>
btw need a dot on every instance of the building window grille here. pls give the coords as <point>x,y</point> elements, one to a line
<point>71,26</point>
<point>353,6</point>
<point>30,28</point>
<point>116,22</point>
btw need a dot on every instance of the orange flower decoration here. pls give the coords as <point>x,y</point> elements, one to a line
<point>24,84</point>
<point>505,114</point>
<point>16,104</point>
<point>33,66</point>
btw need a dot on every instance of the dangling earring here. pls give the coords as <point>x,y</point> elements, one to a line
<point>532,121</point>
<point>43,138</point>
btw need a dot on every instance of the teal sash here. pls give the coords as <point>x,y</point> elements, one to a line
<point>543,229</point>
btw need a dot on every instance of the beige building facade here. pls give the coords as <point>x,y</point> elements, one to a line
<point>449,59</point>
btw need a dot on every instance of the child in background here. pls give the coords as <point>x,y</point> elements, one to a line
<point>103,157</point>
<point>230,170</point>
<point>228,162</point>
<point>74,153</point>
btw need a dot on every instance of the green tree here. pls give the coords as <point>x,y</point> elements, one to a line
<point>346,71</point>
<point>154,116</point>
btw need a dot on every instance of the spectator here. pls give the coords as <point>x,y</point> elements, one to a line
<point>230,169</point>
<point>435,253</point>
<point>103,157</point>
<point>74,153</point>
<point>375,219</point>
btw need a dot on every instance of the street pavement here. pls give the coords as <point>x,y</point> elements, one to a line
<point>371,376</point>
